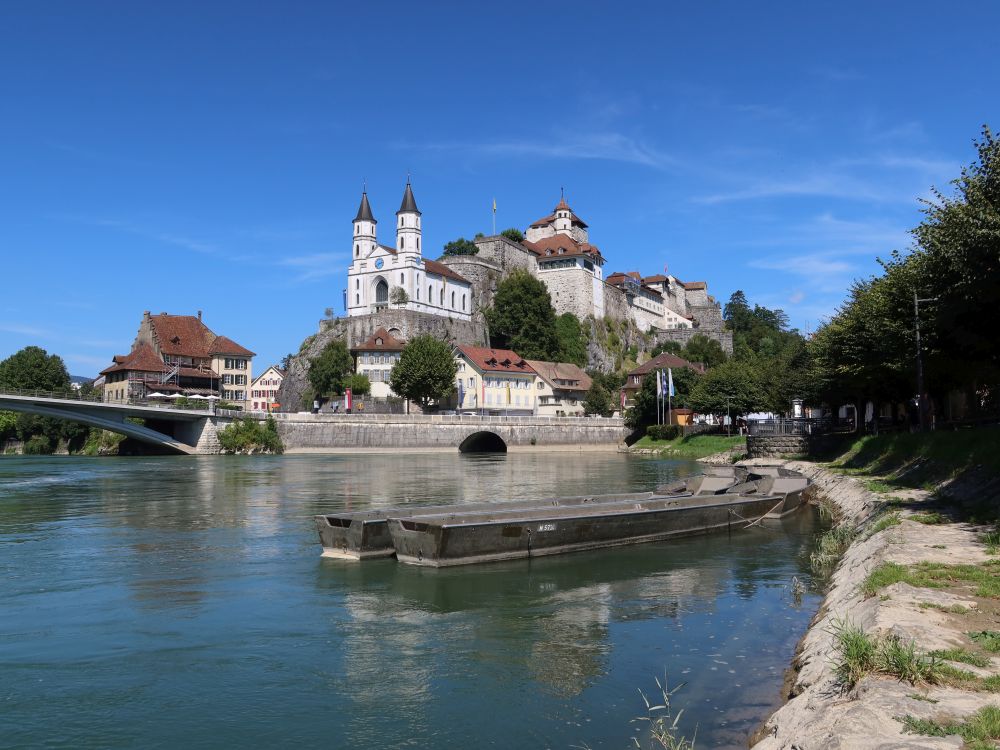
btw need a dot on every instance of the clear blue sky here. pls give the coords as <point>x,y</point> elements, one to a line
<point>190,155</point>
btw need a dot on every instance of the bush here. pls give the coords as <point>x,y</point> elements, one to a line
<point>664,431</point>
<point>247,435</point>
<point>38,445</point>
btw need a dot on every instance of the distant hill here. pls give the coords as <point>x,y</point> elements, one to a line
<point>80,379</point>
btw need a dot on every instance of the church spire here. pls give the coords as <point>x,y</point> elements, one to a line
<point>365,210</point>
<point>409,204</point>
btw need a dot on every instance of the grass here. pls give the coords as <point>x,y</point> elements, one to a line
<point>921,459</point>
<point>830,548</point>
<point>862,655</point>
<point>985,577</point>
<point>930,519</point>
<point>877,485</point>
<point>988,640</point>
<point>979,731</point>
<point>962,655</point>
<point>883,522</point>
<point>662,722</point>
<point>693,446</point>
<point>992,542</point>
<point>954,609</point>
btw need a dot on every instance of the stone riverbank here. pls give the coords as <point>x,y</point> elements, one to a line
<point>821,712</point>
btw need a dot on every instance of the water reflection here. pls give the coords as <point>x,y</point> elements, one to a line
<point>187,597</point>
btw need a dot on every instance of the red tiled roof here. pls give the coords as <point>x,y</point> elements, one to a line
<point>225,345</point>
<point>550,372</point>
<point>495,360</point>
<point>432,266</point>
<point>655,278</point>
<point>550,247</point>
<point>692,285</point>
<point>187,336</point>
<point>142,359</point>
<point>389,343</point>
<point>664,360</point>
<point>194,372</point>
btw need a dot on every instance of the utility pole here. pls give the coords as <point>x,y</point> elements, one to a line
<point>921,401</point>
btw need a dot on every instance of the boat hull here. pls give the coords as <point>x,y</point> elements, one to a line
<point>463,540</point>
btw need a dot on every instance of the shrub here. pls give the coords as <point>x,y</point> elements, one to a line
<point>247,435</point>
<point>38,445</point>
<point>664,431</point>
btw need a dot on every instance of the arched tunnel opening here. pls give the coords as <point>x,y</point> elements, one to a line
<point>483,442</point>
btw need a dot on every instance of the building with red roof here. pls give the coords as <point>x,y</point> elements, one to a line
<point>179,355</point>
<point>375,358</point>
<point>494,381</point>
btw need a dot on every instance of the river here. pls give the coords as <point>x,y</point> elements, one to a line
<point>182,602</point>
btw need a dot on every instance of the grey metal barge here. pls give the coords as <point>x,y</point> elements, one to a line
<point>460,538</point>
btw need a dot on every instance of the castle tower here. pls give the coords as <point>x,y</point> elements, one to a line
<point>408,223</point>
<point>364,229</point>
<point>563,222</point>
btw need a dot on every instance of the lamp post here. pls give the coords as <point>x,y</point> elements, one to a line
<point>921,401</point>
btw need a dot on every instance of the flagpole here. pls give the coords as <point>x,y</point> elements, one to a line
<point>494,217</point>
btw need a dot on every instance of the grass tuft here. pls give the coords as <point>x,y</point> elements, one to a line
<point>930,519</point>
<point>962,655</point>
<point>988,640</point>
<point>862,655</point>
<point>979,731</point>
<point>935,575</point>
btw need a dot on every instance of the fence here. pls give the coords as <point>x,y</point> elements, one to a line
<point>74,395</point>
<point>798,426</point>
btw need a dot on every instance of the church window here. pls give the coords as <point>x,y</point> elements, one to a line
<point>357,299</point>
<point>357,283</point>
<point>430,293</point>
<point>418,243</point>
<point>463,302</point>
<point>442,297</point>
<point>452,300</point>
<point>418,293</point>
<point>357,250</point>
<point>357,229</point>
<point>402,279</point>
<point>401,245</point>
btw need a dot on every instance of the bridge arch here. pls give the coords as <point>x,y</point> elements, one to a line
<point>91,418</point>
<point>483,442</point>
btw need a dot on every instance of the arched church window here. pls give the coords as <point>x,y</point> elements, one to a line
<point>357,299</point>
<point>402,279</point>
<point>357,250</point>
<point>381,292</point>
<point>463,302</point>
<point>418,291</point>
<point>442,297</point>
<point>430,293</point>
<point>357,283</point>
<point>418,243</point>
<point>452,300</point>
<point>401,245</point>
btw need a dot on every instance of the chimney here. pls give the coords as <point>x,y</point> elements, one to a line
<point>199,315</point>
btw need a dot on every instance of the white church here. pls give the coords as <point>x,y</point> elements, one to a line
<point>381,276</point>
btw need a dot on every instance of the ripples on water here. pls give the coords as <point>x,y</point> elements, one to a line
<point>162,602</point>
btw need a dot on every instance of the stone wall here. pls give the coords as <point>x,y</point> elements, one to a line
<point>571,290</point>
<point>404,324</point>
<point>484,275</point>
<point>315,432</point>
<point>773,446</point>
<point>507,254</point>
<point>616,304</point>
<point>683,335</point>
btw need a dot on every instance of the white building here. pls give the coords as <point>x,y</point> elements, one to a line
<point>381,276</point>
<point>375,359</point>
<point>495,381</point>
<point>264,389</point>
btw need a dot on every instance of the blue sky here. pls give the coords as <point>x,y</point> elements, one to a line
<point>189,155</point>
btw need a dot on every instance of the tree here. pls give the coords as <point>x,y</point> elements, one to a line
<point>572,343</point>
<point>328,371</point>
<point>425,371</point>
<point>32,368</point>
<point>598,401</point>
<point>671,347</point>
<point>398,296</point>
<point>512,234</point>
<point>644,405</point>
<point>731,387</point>
<point>461,246</point>
<point>700,348</point>
<point>522,317</point>
<point>359,384</point>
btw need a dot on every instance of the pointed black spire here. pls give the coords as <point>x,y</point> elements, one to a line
<point>409,205</point>
<point>365,210</point>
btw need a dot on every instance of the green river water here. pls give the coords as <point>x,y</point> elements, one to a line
<point>182,603</point>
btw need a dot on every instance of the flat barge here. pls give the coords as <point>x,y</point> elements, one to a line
<point>460,534</point>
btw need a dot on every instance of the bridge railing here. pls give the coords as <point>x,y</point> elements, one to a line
<point>458,419</point>
<point>74,395</point>
<point>798,426</point>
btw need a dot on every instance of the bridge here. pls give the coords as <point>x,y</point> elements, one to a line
<point>195,431</point>
<point>169,428</point>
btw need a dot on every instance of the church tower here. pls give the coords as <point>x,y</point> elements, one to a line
<point>563,223</point>
<point>408,223</point>
<point>364,230</point>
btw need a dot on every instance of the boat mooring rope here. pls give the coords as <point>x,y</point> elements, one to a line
<point>758,520</point>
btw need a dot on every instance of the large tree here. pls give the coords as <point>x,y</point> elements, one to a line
<point>522,317</point>
<point>700,348</point>
<point>425,371</point>
<point>732,387</point>
<point>461,246</point>
<point>33,368</point>
<point>514,235</point>
<point>598,401</point>
<point>572,342</point>
<point>328,371</point>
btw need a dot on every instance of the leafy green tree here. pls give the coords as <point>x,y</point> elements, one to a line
<point>700,348</point>
<point>598,401</point>
<point>512,234</point>
<point>328,371</point>
<point>733,386</point>
<point>425,371</point>
<point>644,405</point>
<point>572,342</point>
<point>359,384</point>
<point>398,296</point>
<point>461,246</point>
<point>8,424</point>
<point>522,317</point>
<point>247,435</point>
<point>670,347</point>
<point>33,368</point>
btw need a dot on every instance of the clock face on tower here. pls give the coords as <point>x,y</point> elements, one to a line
<point>378,263</point>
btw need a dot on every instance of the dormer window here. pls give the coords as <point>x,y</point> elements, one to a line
<point>378,342</point>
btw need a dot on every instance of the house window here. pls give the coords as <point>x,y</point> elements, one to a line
<point>452,300</point>
<point>402,279</point>
<point>463,303</point>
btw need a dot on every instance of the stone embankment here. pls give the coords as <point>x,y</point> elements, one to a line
<point>824,713</point>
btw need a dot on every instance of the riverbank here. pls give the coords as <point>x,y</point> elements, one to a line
<point>583,448</point>
<point>903,652</point>
<point>694,446</point>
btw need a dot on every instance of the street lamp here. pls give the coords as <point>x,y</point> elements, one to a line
<point>921,405</point>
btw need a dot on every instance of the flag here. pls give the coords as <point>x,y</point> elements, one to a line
<point>508,393</point>
<point>659,383</point>
<point>461,393</point>
<point>670,383</point>
<point>623,400</point>
<point>494,205</point>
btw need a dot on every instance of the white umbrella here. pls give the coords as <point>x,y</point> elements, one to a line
<point>157,394</point>
<point>212,398</point>
<point>176,395</point>
<point>198,396</point>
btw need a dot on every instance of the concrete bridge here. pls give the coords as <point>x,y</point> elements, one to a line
<point>195,431</point>
<point>188,431</point>
<point>316,432</point>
